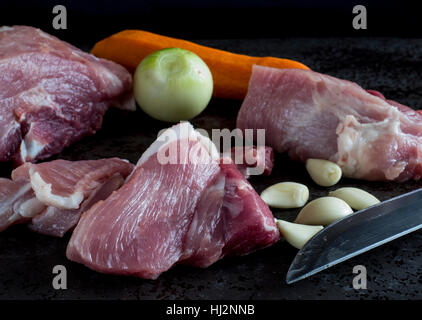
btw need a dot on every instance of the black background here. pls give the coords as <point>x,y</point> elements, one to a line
<point>200,19</point>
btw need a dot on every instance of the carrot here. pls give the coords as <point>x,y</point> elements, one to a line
<point>231,71</point>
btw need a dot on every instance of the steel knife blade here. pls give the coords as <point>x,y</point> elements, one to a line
<point>357,233</point>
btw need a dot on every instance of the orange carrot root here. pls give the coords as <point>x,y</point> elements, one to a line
<point>231,72</point>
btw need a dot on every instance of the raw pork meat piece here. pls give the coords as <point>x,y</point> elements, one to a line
<point>17,203</point>
<point>243,224</point>
<point>176,207</point>
<point>54,194</point>
<point>253,160</point>
<point>56,222</point>
<point>52,94</point>
<point>248,222</point>
<point>65,184</point>
<point>312,115</point>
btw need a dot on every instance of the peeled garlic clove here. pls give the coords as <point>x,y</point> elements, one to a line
<point>323,211</point>
<point>356,198</point>
<point>324,173</point>
<point>286,195</point>
<point>297,234</point>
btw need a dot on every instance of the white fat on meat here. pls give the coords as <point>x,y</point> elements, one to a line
<point>357,143</point>
<point>30,208</point>
<point>17,203</point>
<point>65,184</point>
<point>56,222</point>
<point>43,191</point>
<point>183,131</point>
<point>29,149</point>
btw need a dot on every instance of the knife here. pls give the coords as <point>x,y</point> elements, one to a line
<point>357,233</point>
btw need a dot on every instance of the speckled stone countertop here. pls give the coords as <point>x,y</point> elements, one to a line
<point>392,66</point>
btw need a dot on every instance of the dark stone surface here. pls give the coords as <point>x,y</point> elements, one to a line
<point>392,66</point>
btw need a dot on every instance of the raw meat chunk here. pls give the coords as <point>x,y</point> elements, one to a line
<point>52,94</point>
<point>187,206</point>
<point>312,115</point>
<point>52,195</point>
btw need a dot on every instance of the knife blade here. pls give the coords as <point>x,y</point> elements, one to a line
<point>357,233</point>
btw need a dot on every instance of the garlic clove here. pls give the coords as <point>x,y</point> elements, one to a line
<point>297,234</point>
<point>323,172</point>
<point>286,195</point>
<point>356,198</point>
<point>323,211</point>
